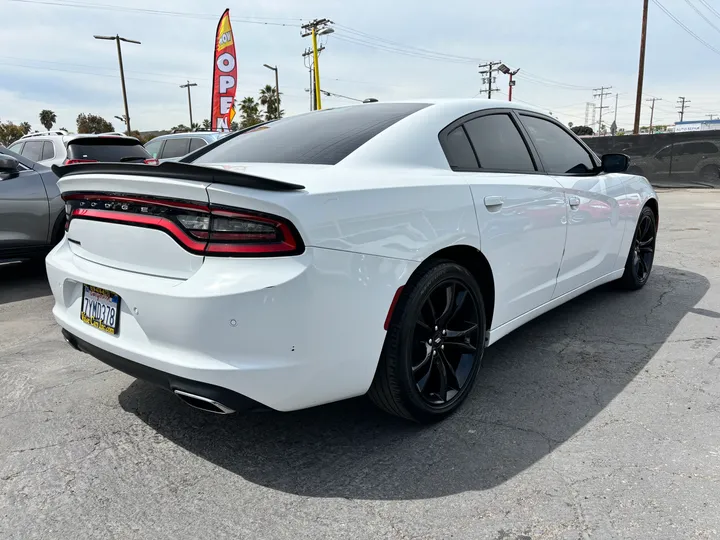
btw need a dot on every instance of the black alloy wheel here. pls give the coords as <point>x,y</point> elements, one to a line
<point>434,345</point>
<point>446,339</point>
<point>642,251</point>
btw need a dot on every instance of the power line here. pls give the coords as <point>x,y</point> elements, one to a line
<point>681,25</point>
<point>388,48</point>
<point>682,102</point>
<point>488,77</point>
<point>694,7</point>
<point>712,9</point>
<point>601,93</point>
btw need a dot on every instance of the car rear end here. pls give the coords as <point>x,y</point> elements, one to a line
<point>207,280</point>
<point>106,148</point>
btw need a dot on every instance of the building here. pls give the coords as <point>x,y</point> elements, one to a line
<point>696,125</point>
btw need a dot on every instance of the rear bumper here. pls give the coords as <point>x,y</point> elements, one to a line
<point>285,332</point>
<point>168,381</point>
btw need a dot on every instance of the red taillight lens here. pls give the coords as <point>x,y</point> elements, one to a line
<point>75,161</point>
<point>199,228</point>
<point>152,161</point>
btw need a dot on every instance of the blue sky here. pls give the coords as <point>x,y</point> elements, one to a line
<point>564,49</point>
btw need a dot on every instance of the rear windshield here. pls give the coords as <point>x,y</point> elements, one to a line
<point>107,149</point>
<point>323,137</point>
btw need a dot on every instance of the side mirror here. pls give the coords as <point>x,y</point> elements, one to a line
<point>615,163</point>
<point>8,164</point>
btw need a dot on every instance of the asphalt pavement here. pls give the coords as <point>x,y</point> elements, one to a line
<point>599,420</point>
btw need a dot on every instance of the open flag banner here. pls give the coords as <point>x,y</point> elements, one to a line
<point>224,76</point>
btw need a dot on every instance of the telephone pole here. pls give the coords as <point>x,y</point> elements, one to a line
<point>616,104</point>
<point>682,102</point>
<point>315,28</point>
<point>488,78</point>
<point>117,39</point>
<point>311,67</point>
<point>601,93</point>
<point>188,85</point>
<point>652,111</point>
<point>641,68</point>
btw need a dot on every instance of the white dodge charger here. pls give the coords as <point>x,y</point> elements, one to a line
<point>374,249</point>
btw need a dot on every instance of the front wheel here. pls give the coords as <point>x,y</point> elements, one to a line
<point>642,252</point>
<point>434,345</point>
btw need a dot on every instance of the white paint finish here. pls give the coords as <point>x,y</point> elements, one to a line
<point>595,229</point>
<point>522,239</point>
<point>309,328</point>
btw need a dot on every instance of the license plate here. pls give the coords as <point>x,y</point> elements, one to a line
<point>101,309</point>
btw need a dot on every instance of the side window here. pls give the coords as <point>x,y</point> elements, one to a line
<point>48,150</point>
<point>498,144</point>
<point>559,152</point>
<point>196,143</point>
<point>707,148</point>
<point>153,148</point>
<point>664,153</point>
<point>176,147</point>
<point>33,150</point>
<point>458,151</point>
<point>17,147</point>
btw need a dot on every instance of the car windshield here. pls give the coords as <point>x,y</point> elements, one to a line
<point>107,149</point>
<point>323,138</point>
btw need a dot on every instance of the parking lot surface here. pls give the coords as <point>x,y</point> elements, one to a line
<point>600,419</point>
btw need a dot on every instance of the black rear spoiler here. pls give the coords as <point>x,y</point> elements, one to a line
<point>178,171</point>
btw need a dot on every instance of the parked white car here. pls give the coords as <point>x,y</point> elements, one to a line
<point>377,249</point>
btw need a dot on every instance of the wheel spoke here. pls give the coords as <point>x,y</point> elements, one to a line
<point>458,307</point>
<point>449,297</point>
<point>454,334</point>
<point>646,243</point>
<point>422,383</point>
<point>421,323</point>
<point>451,374</point>
<point>442,375</point>
<point>461,345</point>
<point>428,355</point>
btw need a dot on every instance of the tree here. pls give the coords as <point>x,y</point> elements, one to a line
<point>582,130</point>
<point>10,132</point>
<point>180,128</point>
<point>206,124</point>
<point>570,125</point>
<point>234,126</point>
<point>269,99</point>
<point>90,123</point>
<point>250,111</point>
<point>47,118</point>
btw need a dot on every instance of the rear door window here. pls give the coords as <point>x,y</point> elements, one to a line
<point>498,144</point>
<point>33,150</point>
<point>106,149</point>
<point>48,150</point>
<point>322,137</point>
<point>196,143</point>
<point>176,147</point>
<point>153,148</point>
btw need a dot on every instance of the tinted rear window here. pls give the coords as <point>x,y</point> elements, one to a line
<point>323,137</point>
<point>106,149</point>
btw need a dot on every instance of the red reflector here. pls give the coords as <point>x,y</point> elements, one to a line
<point>392,307</point>
<point>74,161</point>
<point>152,161</point>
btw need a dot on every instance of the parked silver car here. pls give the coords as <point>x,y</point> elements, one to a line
<point>32,217</point>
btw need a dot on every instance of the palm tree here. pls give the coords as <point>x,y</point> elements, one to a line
<point>269,98</point>
<point>25,127</point>
<point>206,124</point>
<point>250,111</point>
<point>47,118</point>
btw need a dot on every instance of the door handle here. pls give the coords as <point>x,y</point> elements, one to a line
<point>574,202</point>
<point>494,201</point>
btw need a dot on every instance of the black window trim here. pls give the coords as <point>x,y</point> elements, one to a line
<point>460,122</point>
<point>593,156</point>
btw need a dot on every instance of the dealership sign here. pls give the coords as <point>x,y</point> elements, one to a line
<point>224,76</point>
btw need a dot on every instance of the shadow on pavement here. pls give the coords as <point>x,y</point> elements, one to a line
<point>23,281</point>
<point>539,386</point>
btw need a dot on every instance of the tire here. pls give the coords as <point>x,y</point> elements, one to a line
<point>710,174</point>
<point>58,231</point>
<point>642,252</point>
<point>414,363</point>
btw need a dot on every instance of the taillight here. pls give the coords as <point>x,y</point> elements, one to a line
<point>151,161</point>
<point>75,161</point>
<point>199,228</point>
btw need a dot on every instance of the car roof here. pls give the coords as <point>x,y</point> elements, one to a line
<point>208,135</point>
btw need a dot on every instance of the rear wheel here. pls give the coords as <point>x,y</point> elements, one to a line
<point>434,345</point>
<point>642,252</point>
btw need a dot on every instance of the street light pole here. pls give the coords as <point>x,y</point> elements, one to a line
<point>117,40</point>
<point>188,85</point>
<point>277,87</point>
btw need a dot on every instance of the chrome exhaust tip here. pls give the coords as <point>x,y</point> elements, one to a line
<point>202,403</point>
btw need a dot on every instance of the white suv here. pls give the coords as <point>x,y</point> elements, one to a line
<point>58,148</point>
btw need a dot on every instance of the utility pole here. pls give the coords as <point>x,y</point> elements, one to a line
<point>711,116</point>
<point>309,53</point>
<point>616,104</point>
<point>188,85</point>
<point>652,111</point>
<point>491,67</point>
<point>117,39</point>
<point>682,102</point>
<point>601,93</point>
<point>277,87</point>
<point>318,27</point>
<point>641,68</point>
